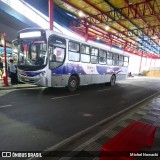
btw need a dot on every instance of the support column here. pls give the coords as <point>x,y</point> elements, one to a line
<point>146,62</point>
<point>140,64</point>
<point>51,13</point>
<point>154,62</point>
<point>86,34</point>
<point>5,78</point>
<point>110,41</point>
<point>150,64</point>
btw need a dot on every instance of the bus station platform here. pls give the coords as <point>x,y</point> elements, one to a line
<point>18,86</point>
<point>90,145</point>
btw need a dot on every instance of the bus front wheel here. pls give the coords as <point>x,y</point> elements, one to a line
<point>72,84</point>
<point>113,80</point>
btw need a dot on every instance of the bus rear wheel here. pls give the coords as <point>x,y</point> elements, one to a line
<point>113,80</point>
<point>72,84</point>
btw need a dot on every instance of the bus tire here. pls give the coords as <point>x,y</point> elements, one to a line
<point>72,84</point>
<point>113,80</point>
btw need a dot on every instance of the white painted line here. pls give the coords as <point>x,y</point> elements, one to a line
<point>66,96</point>
<point>9,105</point>
<point>104,90</point>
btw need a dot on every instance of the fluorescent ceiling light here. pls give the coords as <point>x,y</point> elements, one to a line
<point>107,27</point>
<point>81,14</point>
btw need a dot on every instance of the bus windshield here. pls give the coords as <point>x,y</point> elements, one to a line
<point>32,53</point>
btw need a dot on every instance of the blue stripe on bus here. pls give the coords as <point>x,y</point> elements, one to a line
<point>69,68</point>
<point>109,70</point>
<point>77,69</point>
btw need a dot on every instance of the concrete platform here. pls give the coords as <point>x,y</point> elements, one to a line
<point>18,86</point>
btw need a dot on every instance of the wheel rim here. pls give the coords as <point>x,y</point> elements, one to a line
<point>73,83</point>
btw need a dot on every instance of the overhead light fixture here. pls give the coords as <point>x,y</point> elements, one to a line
<point>81,14</point>
<point>129,2</point>
<point>98,38</point>
<point>107,27</point>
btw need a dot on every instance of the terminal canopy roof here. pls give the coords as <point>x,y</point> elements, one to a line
<point>132,25</point>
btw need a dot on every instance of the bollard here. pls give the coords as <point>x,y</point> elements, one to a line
<point>5,80</point>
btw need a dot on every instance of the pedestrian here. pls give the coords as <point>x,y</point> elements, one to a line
<point>130,74</point>
<point>1,67</point>
<point>12,72</point>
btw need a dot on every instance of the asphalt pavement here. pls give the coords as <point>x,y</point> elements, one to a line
<point>84,144</point>
<point>88,146</point>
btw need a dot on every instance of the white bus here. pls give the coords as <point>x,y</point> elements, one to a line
<point>51,59</point>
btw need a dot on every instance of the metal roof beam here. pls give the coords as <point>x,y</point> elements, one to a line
<point>107,17</point>
<point>111,15</point>
<point>92,19</point>
<point>112,38</point>
<point>87,22</point>
<point>97,33</point>
<point>155,31</point>
<point>124,15</point>
<point>100,30</point>
<point>119,34</point>
<point>115,15</point>
<point>136,9</point>
<point>152,6</point>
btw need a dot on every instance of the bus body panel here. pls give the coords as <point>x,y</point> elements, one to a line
<point>56,80</point>
<point>86,73</point>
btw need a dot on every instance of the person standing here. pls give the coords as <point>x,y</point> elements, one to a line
<point>1,67</point>
<point>12,72</point>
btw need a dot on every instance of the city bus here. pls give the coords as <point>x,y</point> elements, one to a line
<point>50,59</point>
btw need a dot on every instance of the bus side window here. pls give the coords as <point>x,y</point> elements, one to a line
<point>126,61</point>
<point>94,55</point>
<point>102,57</point>
<point>109,58</point>
<point>58,54</point>
<point>121,60</point>
<point>85,53</point>
<point>115,59</point>
<point>74,51</point>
